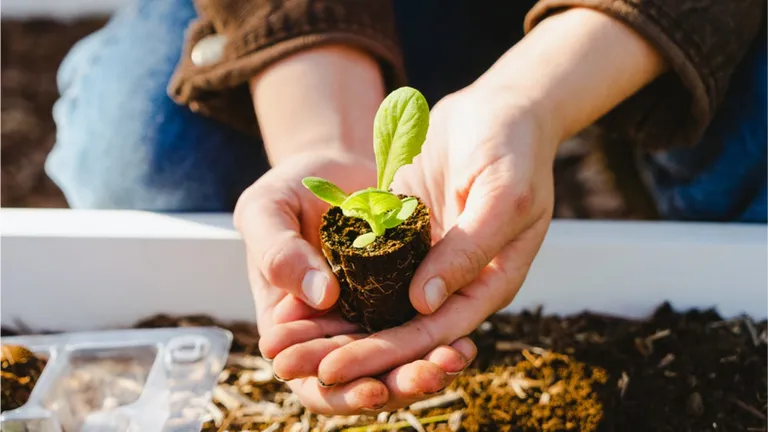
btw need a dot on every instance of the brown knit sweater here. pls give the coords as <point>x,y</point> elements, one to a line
<point>702,40</point>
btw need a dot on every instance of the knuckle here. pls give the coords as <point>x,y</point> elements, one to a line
<point>522,201</point>
<point>469,260</point>
<point>276,260</point>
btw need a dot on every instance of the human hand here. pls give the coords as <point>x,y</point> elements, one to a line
<point>486,174</point>
<point>295,291</point>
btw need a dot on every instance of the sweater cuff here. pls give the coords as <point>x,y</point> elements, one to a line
<point>673,110</point>
<point>233,41</point>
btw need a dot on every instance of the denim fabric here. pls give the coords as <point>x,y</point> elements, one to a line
<point>122,143</point>
<point>724,177</point>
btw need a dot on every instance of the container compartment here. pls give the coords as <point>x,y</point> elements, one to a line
<point>147,380</point>
<point>22,368</point>
<point>95,380</point>
<point>30,425</point>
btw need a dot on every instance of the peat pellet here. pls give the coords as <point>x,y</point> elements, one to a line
<point>375,279</point>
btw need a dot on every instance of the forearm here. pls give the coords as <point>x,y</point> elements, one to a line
<point>320,99</point>
<point>573,68</point>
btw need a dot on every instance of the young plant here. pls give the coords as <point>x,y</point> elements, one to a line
<point>399,130</point>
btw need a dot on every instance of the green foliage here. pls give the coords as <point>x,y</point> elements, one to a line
<point>400,128</point>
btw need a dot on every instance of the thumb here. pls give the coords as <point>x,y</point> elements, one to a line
<point>276,249</point>
<point>497,209</point>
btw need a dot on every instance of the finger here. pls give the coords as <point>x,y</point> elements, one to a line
<point>422,378</point>
<point>415,380</point>
<point>459,316</point>
<point>365,394</point>
<point>290,308</point>
<point>454,358</point>
<point>302,360</point>
<point>270,229</point>
<point>285,335</point>
<point>382,351</point>
<point>496,211</point>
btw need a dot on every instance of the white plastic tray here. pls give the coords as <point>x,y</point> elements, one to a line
<point>148,380</point>
<point>80,270</point>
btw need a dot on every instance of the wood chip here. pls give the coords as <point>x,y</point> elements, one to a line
<point>556,388</point>
<point>518,389</point>
<point>274,427</point>
<point>216,415</point>
<point>750,325</point>
<point>750,409</point>
<point>261,376</point>
<point>666,361</point>
<point>536,362</point>
<point>413,421</point>
<point>446,399</point>
<point>454,422</point>
<point>512,346</point>
<point>337,422</point>
<point>247,361</point>
<point>623,383</point>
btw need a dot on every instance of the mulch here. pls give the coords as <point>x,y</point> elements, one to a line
<point>675,371</point>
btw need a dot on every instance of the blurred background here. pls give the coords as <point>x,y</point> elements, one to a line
<point>594,179</point>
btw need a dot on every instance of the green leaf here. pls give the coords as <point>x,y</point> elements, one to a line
<point>364,240</point>
<point>399,130</point>
<point>325,190</point>
<point>371,205</point>
<point>395,218</point>
<point>372,201</point>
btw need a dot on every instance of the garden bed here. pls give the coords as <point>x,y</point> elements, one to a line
<point>691,371</point>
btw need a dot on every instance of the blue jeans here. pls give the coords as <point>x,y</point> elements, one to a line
<point>123,143</point>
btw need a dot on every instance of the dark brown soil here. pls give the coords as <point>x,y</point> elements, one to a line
<point>20,371</point>
<point>690,372</point>
<point>31,53</point>
<point>374,280</point>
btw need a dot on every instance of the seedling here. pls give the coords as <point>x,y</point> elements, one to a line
<point>399,130</point>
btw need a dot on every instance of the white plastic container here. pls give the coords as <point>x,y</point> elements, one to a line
<point>86,270</point>
<point>154,380</point>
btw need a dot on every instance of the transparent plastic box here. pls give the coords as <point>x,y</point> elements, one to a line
<point>147,380</point>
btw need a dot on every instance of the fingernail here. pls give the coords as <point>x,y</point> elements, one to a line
<point>324,385</point>
<point>434,292</point>
<point>313,286</point>
<point>376,408</point>
<point>277,378</point>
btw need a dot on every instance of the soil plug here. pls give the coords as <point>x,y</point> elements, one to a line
<point>20,371</point>
<point>373,239</point>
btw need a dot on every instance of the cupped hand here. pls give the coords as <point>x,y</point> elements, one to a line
<point>295,291</point>
<point>486,173</point>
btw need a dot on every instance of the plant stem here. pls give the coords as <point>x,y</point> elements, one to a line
<point>399,425</point>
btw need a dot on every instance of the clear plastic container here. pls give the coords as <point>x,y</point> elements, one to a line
<point>153,380</point>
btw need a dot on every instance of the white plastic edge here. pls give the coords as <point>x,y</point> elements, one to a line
<point>81,270</point>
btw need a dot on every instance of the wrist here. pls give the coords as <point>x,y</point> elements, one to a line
<point>522,108</point>
<point>324,98</point>
<point>572,69</point>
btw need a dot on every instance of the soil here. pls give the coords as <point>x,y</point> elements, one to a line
<point>675,371</point>
<point>374,280</point>
<point>31,53</point>
<point>20,371</point>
